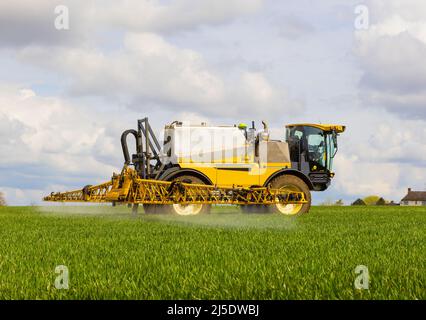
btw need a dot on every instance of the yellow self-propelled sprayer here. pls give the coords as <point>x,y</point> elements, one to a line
<point>200,165</point>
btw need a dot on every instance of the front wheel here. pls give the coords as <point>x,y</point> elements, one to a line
<point>291,183</point>
<point>186,209</point>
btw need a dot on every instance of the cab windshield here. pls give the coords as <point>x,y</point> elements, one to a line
<point>317,146</point>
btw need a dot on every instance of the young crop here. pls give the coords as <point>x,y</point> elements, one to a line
<point>225,255</point>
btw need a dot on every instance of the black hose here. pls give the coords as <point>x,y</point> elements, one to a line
<point>124,144</point>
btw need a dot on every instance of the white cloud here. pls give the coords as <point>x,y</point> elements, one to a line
<point>360,178</point>
<point>293,28</point>
<point>396,142</point>
<point>412,10</point>
<point>380,154</point>
<point>42,136</point>
<point>152,16</point>
<point>149,70</point>
<point>391,53</point>
<point>26,22</point>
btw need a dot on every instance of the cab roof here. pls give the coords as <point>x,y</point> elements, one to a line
<point>325,127</point>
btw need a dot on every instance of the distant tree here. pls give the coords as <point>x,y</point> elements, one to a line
<point>358,202</point>
<point>339,202</point>
<point>381,202</point>
<point>371,200</point>
<point>2,200</point>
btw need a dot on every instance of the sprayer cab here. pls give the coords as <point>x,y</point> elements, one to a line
<point>312,150</point>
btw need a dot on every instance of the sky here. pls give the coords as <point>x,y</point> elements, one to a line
<point>70,86</point>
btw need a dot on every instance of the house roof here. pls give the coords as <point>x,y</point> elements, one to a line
<point>415,196</point>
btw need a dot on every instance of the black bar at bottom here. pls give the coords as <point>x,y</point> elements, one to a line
<point>215,309</point>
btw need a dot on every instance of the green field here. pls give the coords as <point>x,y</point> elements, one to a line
<point>224,255</point>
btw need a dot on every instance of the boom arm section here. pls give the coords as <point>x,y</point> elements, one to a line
<point>127,187</point>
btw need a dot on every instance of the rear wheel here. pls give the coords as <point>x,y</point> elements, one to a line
<point>186,209</point>
<point>291,183</point>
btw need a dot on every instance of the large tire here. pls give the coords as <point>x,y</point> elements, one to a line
<point>185,210</point>
<point>291,183</point>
